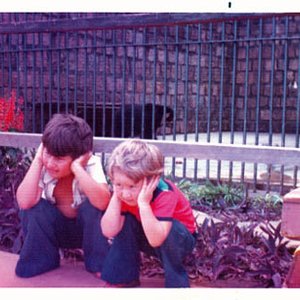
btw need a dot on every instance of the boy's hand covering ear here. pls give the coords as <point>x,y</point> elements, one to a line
<point>146,193</point>
<point>82,160</point>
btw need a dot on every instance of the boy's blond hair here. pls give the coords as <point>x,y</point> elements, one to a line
<point>136,159</point>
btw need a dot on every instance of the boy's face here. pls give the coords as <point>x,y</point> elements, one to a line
<point>126,189</point>
<point>58,167</point>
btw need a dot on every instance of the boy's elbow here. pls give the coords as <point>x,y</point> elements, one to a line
<point>23,204</point>
<point>156,244</point>
<point>107,230</point>
<point>108,233</point>
<point>157,241</point>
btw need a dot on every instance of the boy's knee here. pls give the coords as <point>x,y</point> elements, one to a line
<point>88,212</point>
<point>179,238</point>
<point>40,210</point>
<point>131,223</point>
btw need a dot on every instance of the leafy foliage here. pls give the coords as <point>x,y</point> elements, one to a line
<point>230,201</point>
<point>214,196</point>
<point>225,250</point>
<point>11,115</point>
<point>13,166</point>
<point>229,249</point>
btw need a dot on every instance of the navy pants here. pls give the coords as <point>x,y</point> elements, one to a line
<point>123,260</point>
<point>46,230</point>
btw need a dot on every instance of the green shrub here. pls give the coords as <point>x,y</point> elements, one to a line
<point>13,166</point>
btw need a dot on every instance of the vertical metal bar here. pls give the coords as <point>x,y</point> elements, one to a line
<point>257,110</point>
<point>94,82</point>
<point>42,95</point>
<point>104,127</point>
<point>272,82</point>
<point>271,96</point>
<point>26,112</point>
<point>2,66</point>
<point>165,77</point>
<point>114,83</point>
<point>208,134</point>
<point>154,82</point>
<point>85,76</point>
<point>144,83</point>
<point>76,53</point>
<point>50,64</point>
<point>285,60</point>
<point>67,71</point>
<point>284,100</point>
<point>58,72</point>
<point>221,99</point>
<point>232,119</point>
<point>133,80</point>
<point>34,85</point>
<point>123,84</point>
<point>197,96</point>
<point>9,52</point>
<point>245,97</point>
<point>102,67</point>
<point>175,95</point>
<point>165,80</point>
<point>18,67</point>
<point>186,91</point>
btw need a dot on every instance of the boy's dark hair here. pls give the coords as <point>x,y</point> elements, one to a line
<point>67,135</point>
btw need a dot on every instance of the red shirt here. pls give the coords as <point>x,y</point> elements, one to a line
<point>168,203</point>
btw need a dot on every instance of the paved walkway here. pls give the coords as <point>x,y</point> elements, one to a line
<point>70,274</point>
<point>74,275</point>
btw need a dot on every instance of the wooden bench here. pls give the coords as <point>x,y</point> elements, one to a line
<point>205,151</point>
<point>202,151</point>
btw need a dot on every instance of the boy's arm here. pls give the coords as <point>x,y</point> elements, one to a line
<point>156,231</point>
<point>98,193</point>
<point>112,220</point>
<point>29,192</point>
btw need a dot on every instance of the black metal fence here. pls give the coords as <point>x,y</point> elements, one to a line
<point>225,78</point>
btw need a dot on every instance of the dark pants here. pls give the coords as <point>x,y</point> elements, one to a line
<point>123,260</point>
<point>46,230</point>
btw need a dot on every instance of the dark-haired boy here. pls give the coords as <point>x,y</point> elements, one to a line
<point>62,198</point>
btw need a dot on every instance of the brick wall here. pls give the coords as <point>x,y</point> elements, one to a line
<point>243,71</point>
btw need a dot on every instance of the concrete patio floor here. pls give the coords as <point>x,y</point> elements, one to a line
<point>73,275</point>
<point>69,274</point>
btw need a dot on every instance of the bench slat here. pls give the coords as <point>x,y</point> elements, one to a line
<point>212,151</point>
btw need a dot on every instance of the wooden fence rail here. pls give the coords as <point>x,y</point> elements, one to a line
<point>202,151</point>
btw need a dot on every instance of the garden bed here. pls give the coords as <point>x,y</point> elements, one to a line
<point>239,241</point>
